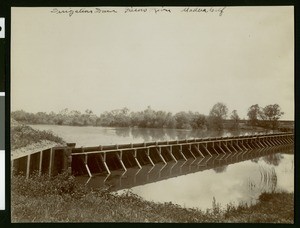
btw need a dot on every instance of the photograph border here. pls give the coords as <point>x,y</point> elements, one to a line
<point>5,11</point>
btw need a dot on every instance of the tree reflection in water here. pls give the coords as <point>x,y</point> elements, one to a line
<point>220,169</point>
<point>273,159</point>
<point>149,134</point>
<point>162,134</point>
<point>255,160</point>
<point>123,132</point>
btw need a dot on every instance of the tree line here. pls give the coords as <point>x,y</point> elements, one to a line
<point>264,117</point>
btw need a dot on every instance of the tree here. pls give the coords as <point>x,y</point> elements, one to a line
<point>106,119</point>
<point>41,118</point>
<point>149,117</point>
<point>265,117</point>
<point>170,121</point>
<point>219,110</point>
<point>198,121</point>
<point>20,116</point>
<point>122,118</point>
<point>253,114</point>
<point>76,118</point>
<point>235,118</point>
<point>216,115</point>
<point>183,120</point>
<point>114,118</point>
<point>272,114</point>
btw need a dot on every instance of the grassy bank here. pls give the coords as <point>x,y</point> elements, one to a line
<point>62,199</point>
<point>23,135</point>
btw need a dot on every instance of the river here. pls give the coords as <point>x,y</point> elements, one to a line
<point>94,136</point>
<point>195,183</point>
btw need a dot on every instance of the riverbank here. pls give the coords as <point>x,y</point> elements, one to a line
<point>26,140</point>
<point>62,199</point>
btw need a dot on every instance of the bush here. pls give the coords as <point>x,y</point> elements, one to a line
<point>40,186</point>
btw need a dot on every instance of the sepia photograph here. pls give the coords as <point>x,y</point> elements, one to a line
<point>156,114</point>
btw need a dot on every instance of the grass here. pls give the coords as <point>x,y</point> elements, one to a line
<point>22,135</point>
<point>276,207</point>
<point>62,199</point>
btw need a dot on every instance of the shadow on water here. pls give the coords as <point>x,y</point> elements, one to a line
<point>133,177</point>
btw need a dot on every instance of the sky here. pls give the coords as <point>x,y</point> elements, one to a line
<point>172,61</point>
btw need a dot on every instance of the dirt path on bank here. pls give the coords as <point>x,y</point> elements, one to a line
<point>33,148</point>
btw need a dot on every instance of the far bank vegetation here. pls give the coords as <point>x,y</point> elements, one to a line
<point>218,118</point>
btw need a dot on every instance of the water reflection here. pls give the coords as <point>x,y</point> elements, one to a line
<point>122,132</point>
<point>220,169</point>
<point>94,136</point>
<point>273,159</point>
<point>151,134</point>
<point>242,181</point>
<point>193,183</point>
<point>259,160</point>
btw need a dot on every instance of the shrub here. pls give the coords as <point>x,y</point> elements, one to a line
<point>39,186</point>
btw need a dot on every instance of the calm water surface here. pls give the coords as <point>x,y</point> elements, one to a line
<point>240,182</point>
<point>94,136</point>
<point>230,179</point>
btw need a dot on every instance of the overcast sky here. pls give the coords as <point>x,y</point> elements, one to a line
<point>174,61</point>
